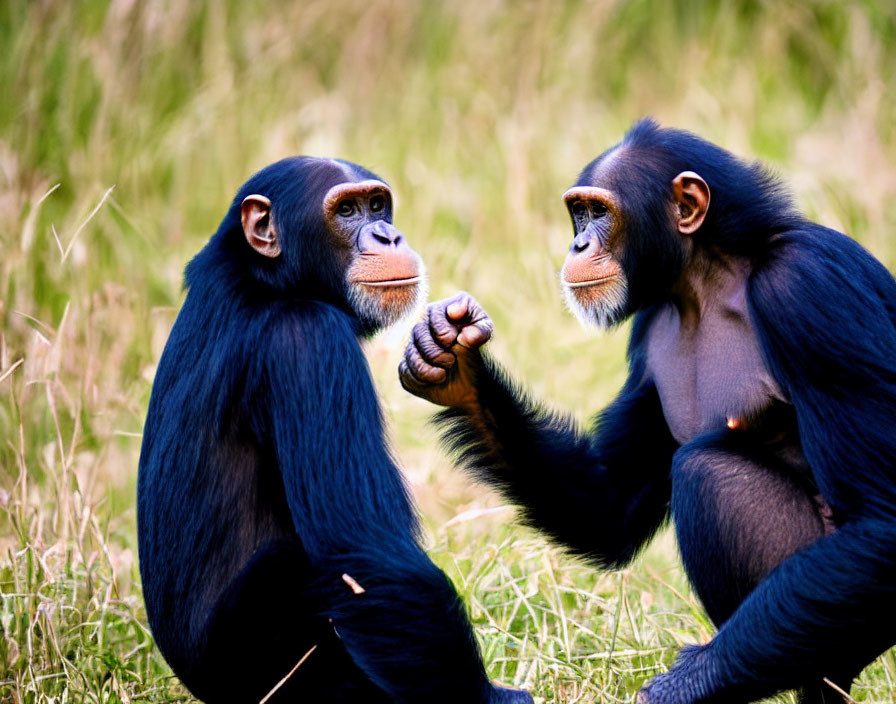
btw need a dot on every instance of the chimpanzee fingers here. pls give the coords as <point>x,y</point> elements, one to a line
<point>429,349</point>
<point>477,334</point>
<point>421,370</point>
<point>444,330</point>
<point>459,320</point>
<point>457,307</point>
<point>408,381</point>
<point>477,326</point>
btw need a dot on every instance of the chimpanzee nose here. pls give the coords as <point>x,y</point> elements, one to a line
<point>384,233</point>
<point>379,234</point>
<point>581,242</point>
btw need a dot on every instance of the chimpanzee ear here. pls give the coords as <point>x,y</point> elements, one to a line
<point>258,225</point>
<point>692,201</point>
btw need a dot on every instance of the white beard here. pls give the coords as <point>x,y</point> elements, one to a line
<point>602,310</point>
<point>379,308</point>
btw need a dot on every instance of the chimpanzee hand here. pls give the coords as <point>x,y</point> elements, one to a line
<point>689,681</point>
<point>441,358</point>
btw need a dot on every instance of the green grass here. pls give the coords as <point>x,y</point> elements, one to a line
<point>480,113</point>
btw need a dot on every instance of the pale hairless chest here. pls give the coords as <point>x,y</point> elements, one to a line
<point>704,357</point>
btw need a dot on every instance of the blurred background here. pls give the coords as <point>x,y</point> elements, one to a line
<point>127,126</point>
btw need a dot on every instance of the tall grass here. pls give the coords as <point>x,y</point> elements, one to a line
<point>480,113</point>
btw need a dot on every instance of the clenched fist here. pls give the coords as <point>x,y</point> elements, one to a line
<point>441,359</point>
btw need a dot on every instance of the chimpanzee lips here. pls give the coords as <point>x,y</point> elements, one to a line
<point>387,270</point>
<point>599,299</point>
<point>590,282</point>
<point>382,300</point>
<point>583,271</point>
<point>411,280</point>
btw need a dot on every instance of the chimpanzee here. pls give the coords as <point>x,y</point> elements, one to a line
<point>759,412</point>
<point>274,527</point>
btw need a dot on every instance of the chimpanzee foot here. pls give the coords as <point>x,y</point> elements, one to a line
<point>510,695</point>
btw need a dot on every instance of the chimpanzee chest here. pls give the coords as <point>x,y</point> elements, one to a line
<point>709,374</point>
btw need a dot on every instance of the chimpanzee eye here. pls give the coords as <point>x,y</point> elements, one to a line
<point>345,208</point>
<point>598,209</point>
<point>377,203</point>
<point>578,208</point>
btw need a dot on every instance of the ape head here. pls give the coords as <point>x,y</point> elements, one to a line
<point>322,229</point>
<point>641,210</point>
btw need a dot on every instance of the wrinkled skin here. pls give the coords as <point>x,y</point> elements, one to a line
<point>441,358</point>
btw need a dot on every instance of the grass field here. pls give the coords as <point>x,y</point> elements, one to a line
<point>125,129</point>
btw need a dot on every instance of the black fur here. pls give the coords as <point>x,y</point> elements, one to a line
<point>556,472</point>
<point>265,476</point>
<point>824,311</point>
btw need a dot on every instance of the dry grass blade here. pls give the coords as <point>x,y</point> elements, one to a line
<point>846,698</point>
<point>65,252</point>
<point>288,675</point>
<point>11,369</point>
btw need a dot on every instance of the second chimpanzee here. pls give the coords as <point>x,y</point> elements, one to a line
<point>759,412</point>
<point>274,526</point>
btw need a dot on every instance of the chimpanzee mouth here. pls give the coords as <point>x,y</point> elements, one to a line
<point>600,301</point>
<point>591,282</point>
<point>391,282</point>
<point>380,303</point>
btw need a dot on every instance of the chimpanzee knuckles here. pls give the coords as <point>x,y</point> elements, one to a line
<point>443,330</point>
<point>422,369</point>
<point>408,381</point>
<point>460,320</point>
<point>430,351</point>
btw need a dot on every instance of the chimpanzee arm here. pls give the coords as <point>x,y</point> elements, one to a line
<point>397,614</point>
<point>602,494</point>
<point>825,312</point>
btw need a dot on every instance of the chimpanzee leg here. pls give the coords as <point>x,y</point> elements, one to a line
<point>403,623</point>
<point>259,630</point>
<point>736,520</point>
<point>737,516</point>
